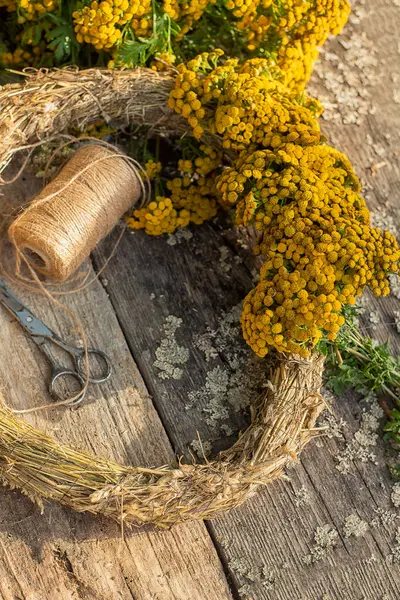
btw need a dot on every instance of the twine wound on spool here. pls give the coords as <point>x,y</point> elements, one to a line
<point>75,211</point>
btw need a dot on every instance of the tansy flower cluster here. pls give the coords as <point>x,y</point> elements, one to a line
<point>18,58</point>
<point>300,196</point>
<point>298,48</point>
<point>189,202</point>
<point>152,168</point>
<point>29,10</point>
<point>101,23</point>
<point>31,47</point>
<point>294,29</point>
<point>185,13</point>
<point>197,83</point>
<point>26,51</point>
<point>208,159</point>
<point>163,61</point>
<point>98,129</point>
<point>258,110</point>
<point>142,32</point>
<point>320,250</point>
<point>245,104</point>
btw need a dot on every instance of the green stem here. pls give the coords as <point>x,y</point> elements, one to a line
<point>368,359</point>
<point>357,354</point>
<point>153,8</point>
<point>389,391</point>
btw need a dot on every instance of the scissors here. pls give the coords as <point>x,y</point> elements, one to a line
<point>44,337</point>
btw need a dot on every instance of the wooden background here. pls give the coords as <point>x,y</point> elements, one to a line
<point>258,551</point>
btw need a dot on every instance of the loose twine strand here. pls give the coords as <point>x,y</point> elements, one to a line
<point>66,221</point>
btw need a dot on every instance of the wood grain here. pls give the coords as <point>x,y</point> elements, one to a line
<point>61,555</point>
<point>186,280</point>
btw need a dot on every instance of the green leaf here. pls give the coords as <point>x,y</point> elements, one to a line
<point>32,35</point>
<point>60,40</point>
<point>136,52</point>
<point>133,53</point>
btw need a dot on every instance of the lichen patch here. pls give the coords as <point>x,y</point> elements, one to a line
<point>170,356</point>
<point>353,526</point>
<point>325,539</point>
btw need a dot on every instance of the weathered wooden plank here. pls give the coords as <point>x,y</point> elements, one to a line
<point>150,281</point>
<point>271,530</point>
<point>275,530</point>
<point>64,555</point>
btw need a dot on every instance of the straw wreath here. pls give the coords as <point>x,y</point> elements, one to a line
<point>283,421</point>
<point>283,418</point>
<point>51,102</point>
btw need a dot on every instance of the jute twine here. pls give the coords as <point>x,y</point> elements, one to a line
<point>282,419</point>
<point>66,221</point>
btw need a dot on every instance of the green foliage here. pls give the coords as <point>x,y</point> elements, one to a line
<point>136,52</point>
<point>213,30</point>
<point>354,360</point>
<point>53,32</point>
<point>392,429</point>
<point>358,362</point>
<point>61,39</point>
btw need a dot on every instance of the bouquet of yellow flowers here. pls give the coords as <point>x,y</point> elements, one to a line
<point>131,33</point>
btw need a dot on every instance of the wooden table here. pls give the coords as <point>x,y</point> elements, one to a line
<point>260,550</point>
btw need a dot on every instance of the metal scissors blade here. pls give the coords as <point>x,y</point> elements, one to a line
<point>26,318</point>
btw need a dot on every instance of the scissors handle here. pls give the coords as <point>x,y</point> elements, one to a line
<point>78,355</point>
<point>43,336</point>
<point>79,358</point>
<point>59,372</point>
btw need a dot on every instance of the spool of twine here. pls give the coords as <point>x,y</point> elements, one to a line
<point>75,211</point>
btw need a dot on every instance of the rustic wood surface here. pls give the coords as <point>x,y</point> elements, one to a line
<point>140,418</point>
<point>61,555</point>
